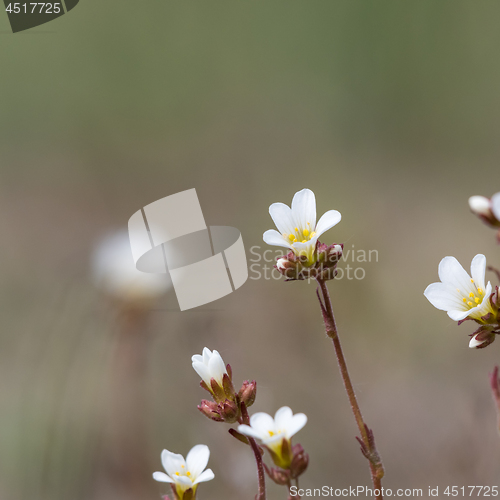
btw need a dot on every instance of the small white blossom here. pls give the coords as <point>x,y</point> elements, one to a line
<point>297,225</point>
<point>495,206</point>
<point>474,343</point>
<point>480,205</point>
<point>209,365</point>
<point>114,271</point>
<point>273,431</point>
<point>185,474</point>
<point>459,294</point>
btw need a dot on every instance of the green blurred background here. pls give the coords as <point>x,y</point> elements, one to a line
<point>388,110</point>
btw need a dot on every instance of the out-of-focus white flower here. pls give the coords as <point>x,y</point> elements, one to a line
<point>495,206</point>
<point>480,205</point>
<point>209,365</point>
<point>114,271</point>
<point>275,433</point>
<point>185,474</point>
<point>297,225</point>
<point>459,294</point>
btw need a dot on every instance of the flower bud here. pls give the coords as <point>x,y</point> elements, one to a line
<point>229,411</point>
<point>210,410</point>
<point>248,392</point>
<point>300,461</point>
<point>483,339</point>
<point>483,208</point>
<point>279,476</point>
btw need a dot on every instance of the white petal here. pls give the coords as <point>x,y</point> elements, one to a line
<point>282,217</point>
<point>480,205</point>
<point>162,477</point>
<point>474,343</point>
<point>478,270</point>
<point>327,221</point>
<point>444,297</point>
<point>457,315</point>
<point>184,481</point>
<point>203,371</point>
<point>172,462</point>
<point>273,440</point>
<point>208,475</point>
<point>283,417</point>
<point>207,354</point>
<point>495,205</point>
<point>262,422</point>
<point>452,273</point>
<point>304,209</point>
<point>216,367</point>
<point>197,460</point>
<point>197,358</point>
<point>248,431</point>
<point>298,421</point>
<point>272,237</point>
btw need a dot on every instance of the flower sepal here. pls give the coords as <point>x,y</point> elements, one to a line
<point>297,467</point>
<point>282,456</point>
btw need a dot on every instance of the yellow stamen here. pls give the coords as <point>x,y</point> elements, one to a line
<point>464,299</point>
<point>472,281</point>
<point>304,241</point>
<point>480,290</point>
<point>183,466</point>
<point>471,295</point>
<point>306,233</point>
<point>297,229</point>
<point>291,237</point>
<point>177,474</point>
<point>188,473</point>
<point>477,300</point>
<point>294,240</point>
<point>271,433</point>
<point>469,303</point>
<point>313,234</point>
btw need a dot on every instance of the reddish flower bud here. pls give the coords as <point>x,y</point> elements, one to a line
<point>279,476</point>
<point>300,461</point>
<point>229,411</point>
<point>210,410</point>
<point>248,392</point>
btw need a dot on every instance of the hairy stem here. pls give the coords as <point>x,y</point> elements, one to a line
<point>245,419</point>
<point>367,440</point>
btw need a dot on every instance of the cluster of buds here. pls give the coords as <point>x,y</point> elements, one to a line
<point>217,379</point>
<point>322,265</point>
<point>488,210</point>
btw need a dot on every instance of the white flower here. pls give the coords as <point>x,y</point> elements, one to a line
<point>459,294</point>
<point>480,205</point>
<point>273,431</point>
<point>495,206</point>
<point>209,365</point>
<point>185,474</point>
<point>113,270</point>
<point>297,226</point>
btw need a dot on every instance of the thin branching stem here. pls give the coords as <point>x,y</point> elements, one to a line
<point>367,440</point>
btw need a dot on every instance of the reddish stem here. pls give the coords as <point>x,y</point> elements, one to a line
<point>367,440</point>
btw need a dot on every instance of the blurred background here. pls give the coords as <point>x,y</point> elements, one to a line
<point>388,111</point>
